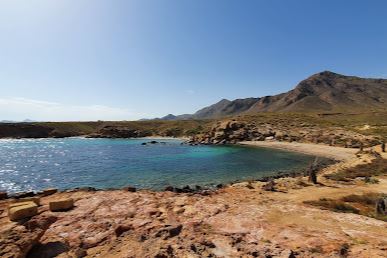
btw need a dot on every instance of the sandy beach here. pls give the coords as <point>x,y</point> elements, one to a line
<point>332,152</point>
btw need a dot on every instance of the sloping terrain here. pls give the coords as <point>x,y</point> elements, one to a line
<point>321,92</point>
<point>225,108</point>
<point>327,91</point>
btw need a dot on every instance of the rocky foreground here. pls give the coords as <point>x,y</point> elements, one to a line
<point>240,220</point>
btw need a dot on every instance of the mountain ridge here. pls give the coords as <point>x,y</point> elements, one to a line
<point>321,92</point>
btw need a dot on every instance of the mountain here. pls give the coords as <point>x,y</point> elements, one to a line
<point>322,92</point>
<point>327,92</point>
<point>225,107</point>
<point>169,117</point>
<point>24,121</point>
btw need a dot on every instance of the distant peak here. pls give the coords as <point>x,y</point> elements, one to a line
<point>327,74</point>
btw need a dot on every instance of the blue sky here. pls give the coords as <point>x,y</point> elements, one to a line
<point>129,59</point>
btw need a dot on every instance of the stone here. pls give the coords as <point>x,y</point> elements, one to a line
<point>178,210</point>
<point>187,189</point>
<point>169,188</point>
<point>120,229</point>
<point>40,222</point>
<point>24,195</point>
<point>36,200</point>
<point>17,204</point>
<point>61,205</point>
<point>130,189</point>
<point>270,186</point>
<point>169,231</point>
<point>381,206</point>
<point>49,191</point>
<point>3,195</point>
<point>22,210</point>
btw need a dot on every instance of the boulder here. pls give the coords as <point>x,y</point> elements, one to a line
<point>61,205</point>
<point>18,211</point>
<point>169,231</point>
<point>49,191</point>
<point>169,188</point>
<point>270,186</point>
<point>381,206</point>
<point>3,195</point>
<point>130,189</point>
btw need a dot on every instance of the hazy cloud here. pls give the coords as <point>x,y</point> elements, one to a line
<point>22,108</point>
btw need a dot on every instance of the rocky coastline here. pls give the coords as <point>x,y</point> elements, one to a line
<point>234,131</point>
<point>268,217</point>
<point>248,219</point>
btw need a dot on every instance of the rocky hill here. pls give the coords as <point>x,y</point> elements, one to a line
<point>321,92</point>
<point>225,107</point>
<point>327,91</point>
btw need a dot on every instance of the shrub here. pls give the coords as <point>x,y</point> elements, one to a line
<point>334,205</point>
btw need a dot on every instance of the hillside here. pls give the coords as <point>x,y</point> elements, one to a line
<point>225,108</point>
<point>327,92</point>
<point>321,92</point>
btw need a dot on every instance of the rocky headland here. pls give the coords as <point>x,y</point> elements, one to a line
<point>235,131</point>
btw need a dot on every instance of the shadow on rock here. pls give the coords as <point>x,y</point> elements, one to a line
<point>51,249</point>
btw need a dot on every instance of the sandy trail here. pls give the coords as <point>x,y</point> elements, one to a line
<point>332,152</point>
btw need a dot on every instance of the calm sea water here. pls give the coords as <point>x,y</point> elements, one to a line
<point>35,164</point>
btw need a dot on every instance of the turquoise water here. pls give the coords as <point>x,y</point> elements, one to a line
<point>35,164</point>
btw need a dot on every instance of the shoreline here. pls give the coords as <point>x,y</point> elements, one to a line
<point>331,152</point>
<point>118,223</point>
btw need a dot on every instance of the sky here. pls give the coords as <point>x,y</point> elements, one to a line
<point>78,60</point>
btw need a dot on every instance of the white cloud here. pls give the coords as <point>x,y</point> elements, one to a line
<point>22,108</point>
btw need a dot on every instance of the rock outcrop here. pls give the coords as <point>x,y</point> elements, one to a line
<point>18,240</point>
<point>119,132</point>
<point>241,220</point>
<point>234,131</point>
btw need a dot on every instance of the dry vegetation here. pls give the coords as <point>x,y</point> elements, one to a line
<point>372,123</point>
<point>359,204</point>
<point>377,167</point>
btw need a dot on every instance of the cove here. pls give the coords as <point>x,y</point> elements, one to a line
<point>35,164</point>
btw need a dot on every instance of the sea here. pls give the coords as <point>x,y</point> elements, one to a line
<point>68,163</point>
